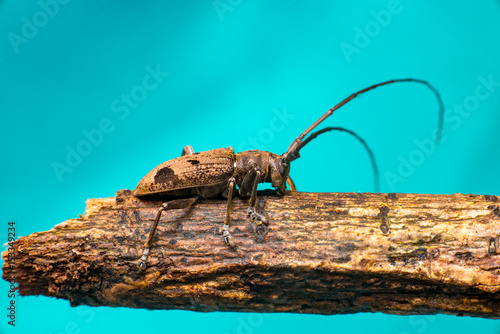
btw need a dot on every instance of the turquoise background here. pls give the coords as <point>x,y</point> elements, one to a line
<point>232,65</point>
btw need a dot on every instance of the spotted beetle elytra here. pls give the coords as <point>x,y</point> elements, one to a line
<point>218,172</point>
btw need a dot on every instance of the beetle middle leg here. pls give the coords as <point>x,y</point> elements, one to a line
<point>174,204</point>
<point>249,187</point>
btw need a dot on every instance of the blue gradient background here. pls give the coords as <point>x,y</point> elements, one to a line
<point>227,73</point>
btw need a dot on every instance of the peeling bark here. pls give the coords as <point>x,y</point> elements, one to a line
<point>323,253</point>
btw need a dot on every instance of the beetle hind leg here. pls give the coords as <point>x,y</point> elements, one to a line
<point>228,240</point>
<point>174,204</point>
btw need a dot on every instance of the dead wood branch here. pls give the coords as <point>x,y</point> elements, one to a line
<point>324,253</point>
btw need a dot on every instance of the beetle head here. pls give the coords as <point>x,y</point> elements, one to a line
<point>279,171</point>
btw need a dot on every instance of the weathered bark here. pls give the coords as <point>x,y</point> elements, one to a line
<point>323,253</point>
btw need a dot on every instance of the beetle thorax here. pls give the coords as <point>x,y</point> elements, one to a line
<point>271,167</point>
<point>247,161</point>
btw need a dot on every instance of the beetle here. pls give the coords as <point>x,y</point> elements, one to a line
<point>218,172</point>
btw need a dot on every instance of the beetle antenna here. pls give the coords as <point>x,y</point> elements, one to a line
<point>361,140</point>
<point>293,151</point>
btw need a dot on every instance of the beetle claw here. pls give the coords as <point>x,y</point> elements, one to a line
<point>141,266</point>
<point>255,216</point>
<point>142,262</point>
<point>228,241</point>
<point>250,210</point>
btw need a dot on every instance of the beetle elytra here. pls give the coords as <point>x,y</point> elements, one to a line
<point>218,172</point>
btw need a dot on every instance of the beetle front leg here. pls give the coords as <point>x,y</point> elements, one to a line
<point>291,184</point>
<point>228,240</point>
<point>175,204</point>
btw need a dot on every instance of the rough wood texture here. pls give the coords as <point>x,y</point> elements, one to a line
<point>323,253</point>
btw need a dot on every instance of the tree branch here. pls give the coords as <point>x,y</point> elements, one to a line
<point>324,253</point>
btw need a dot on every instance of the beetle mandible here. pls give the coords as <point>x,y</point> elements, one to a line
<point>218,172</point>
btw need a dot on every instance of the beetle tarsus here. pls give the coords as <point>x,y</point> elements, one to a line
<point>144,258</point>
<point>261,228</point>
<point>256,216</point>
<point>228,240</point>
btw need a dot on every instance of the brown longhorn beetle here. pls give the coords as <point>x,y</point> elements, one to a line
<point>208,174</point>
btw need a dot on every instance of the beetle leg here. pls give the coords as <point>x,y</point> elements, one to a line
<point>252,212</point>
<point>228,240</point>
<point>188,149</point>
<point>260,229</point>
<point>245,189</point>
<point>174,204</point>
<point>253,196</point>
<point>291,184</point>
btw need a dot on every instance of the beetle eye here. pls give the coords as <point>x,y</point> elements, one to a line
<point>282,167</point>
